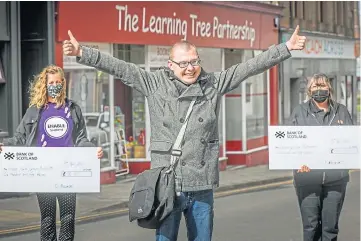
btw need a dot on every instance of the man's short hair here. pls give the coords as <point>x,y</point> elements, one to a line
<point>184,44</point>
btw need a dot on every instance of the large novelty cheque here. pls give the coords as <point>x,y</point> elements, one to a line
<point>51,169</point>
<point>318,147</point>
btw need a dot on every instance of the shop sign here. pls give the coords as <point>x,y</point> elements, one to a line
<point>319,47</point>
<point>69,62</point>
<point>174,25</point>
<point>163,23</point>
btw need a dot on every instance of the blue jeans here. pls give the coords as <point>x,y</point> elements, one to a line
<point>197,208</point>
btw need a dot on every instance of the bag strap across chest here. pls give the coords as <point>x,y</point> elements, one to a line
<point>176,149</point>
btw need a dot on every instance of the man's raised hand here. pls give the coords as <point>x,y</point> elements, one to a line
<point>71,47</point>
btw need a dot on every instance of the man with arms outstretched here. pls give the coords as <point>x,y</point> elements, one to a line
<point>169,92</point>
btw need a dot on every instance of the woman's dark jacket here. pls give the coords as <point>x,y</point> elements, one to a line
<point>308,114</point>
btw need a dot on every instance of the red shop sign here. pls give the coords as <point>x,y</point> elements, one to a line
<point>163,23</point>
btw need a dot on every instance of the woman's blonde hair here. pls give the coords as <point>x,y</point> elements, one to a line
<point>38,90</point>
<point>319,79</point>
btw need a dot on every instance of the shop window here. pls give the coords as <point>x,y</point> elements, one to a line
<point>339,11</point>
<point>89,88</point>
<point>256,112</point>
<point>321,12</point>
<point>345,92</point>
<point>2,74</point>
<point>132,103</point>
<point>248,92</point>
<point>341,90</point>
<point>349,93</point>
<point>253,106</point>
<point>298,10</point>
<point>256,107</point>
<point>130,53</point>
<point>211,59</point>
<point>234,108</point>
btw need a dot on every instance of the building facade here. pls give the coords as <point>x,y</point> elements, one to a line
<point>332,48</point>
<point>142,33</point>
<point>226,33</point>
<point>26,45</point>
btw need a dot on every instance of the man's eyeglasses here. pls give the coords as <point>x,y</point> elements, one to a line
<point>184,64</point>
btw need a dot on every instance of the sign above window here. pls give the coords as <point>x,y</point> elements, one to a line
<point>320,47</point>
<point>155,23</point>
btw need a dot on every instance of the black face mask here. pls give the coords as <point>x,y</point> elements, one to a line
<point>320,96</point>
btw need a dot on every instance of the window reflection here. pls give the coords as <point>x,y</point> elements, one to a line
<point>131,103</point>
<point>254,106</point>
<point>89,88</point>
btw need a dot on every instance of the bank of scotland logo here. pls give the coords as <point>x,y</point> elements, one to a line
<point>9,156</point>
<point>280,134</point>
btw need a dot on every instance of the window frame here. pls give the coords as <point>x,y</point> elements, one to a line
<point>2,73</point>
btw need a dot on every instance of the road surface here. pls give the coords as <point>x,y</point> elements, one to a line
<point>270,215</point>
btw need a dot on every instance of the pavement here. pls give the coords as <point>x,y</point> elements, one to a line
<point>270,214</point>
<point>22,214</point>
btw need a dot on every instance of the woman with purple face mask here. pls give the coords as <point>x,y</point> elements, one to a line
<point>52,120</point>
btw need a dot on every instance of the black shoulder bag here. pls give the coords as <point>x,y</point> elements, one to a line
<point>152,196</point>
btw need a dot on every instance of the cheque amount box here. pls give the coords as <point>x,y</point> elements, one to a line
<point>76,173</point>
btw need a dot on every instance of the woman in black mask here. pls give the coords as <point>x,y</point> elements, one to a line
<point>320,193</point>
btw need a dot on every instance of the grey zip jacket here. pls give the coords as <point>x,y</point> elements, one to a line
<point>168,101</point>
<point>26,132</point>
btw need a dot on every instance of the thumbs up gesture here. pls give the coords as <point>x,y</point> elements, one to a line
<point>296,42</point>
<point>71,47</point>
